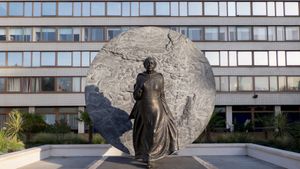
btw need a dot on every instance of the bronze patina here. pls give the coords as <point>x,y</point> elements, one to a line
<point>154,130</point>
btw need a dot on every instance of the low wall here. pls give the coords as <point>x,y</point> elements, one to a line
<point>278,157</point>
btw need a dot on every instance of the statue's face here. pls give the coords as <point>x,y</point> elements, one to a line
<point>150,64</point>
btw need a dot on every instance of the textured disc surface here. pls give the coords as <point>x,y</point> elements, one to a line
<point>189,84</point>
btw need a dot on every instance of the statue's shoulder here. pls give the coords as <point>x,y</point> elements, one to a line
<point>160,74</point>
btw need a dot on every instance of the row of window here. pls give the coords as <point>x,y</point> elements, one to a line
<point>46,59</point>
<point>195,33</point>
<point>257,83</point>
<point>253,58</point>
<point>42,84</point>
<point>38,9</point>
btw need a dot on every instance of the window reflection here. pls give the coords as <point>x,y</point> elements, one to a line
<point>245,83</point>
<point>243,33</point>
<point>273,83</point>
<point>94,34</point>
<point>64,84</point>
<point>65,9</point>
<point>195,8</point>
<point>36,59</point>
<point>272,58</point>
<point>37,8</point>
<point>281,58</point>
<point>232,58</point>
<point>259,8</point>
<point>261,83</point>
<point>217,82</point>
<point>279,8</point>
<point>271,8</point>
<point>86,10</point>
<point>292,33</point>
<point>243,8</point>
<point>291,8</point>
<point>14,59</point>
<point>223,58</point>
<point>213,58</point>
<point>47,58</point>
<point>97,8</point>
<point>224,83</point>
<point>233,83</point>
<point>76,8</point>
<point>222,9</point>
<point>2,84</point>
<point>113,8</point>
<point>293,58</point>
<point>16,34</point>
<point>48,9</point>
<point>2,34</point>
<point>85,59</point>
<point>211,33</point>
<point>195,34</point>
<point>174,9</point>
<point>162,8</point>
<point>223,34</point>
<point>183,8</point>
<point>27,59</point>
<point>125,8</point>
<point>65,34</point>
<point>293,83</point>
<point>211,8</point>
<point>260,58</point>
<point>271,33</point>
<point>134,9</point>
<point>231,9</point>
<point>48,34</point>
<point>16,9</point>
<point>47,84</point>
<point>64,59</point>
<point>13,84</point>
<point>76,59</point>
<point>244,58</point>
<point>282,83</point>
<point>260,33</point>
<point>3,9</point>
<point>146,9</point>
<point>113,32</point>
<point>280,33</point>
<point>2,59</point>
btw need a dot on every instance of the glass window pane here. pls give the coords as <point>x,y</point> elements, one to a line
<point>293,58</point>
<point>211,8</point>
<point>13,84</point>
<point>211,33</point>
<point>232,33</point>
<point>16,34</point>
<point>271,33</point>
<point>2,84</point>
<point>3,9</point>
<point>291,8</point>
<point>64,58</point>
<point>273,83</point>
<point>14,59</point>
<point>282,83</point>
<point>94,34</point>
<point>195,34</point>
<point>27,59</point>
<point>2,58</point>
<point>125,8</point>
<point>279,8</point>
<point>292,33</point>
<point>93,55</point>
<point>243,33</point>
<point>232,58</point>
<point>213,58</point>
<point>16,9</point>
<point>65,34</point>
<point>231,9</point>
<point>37,9</point>
<point>48,9</point>
<point>85,58</point>
<point>146,9</point>
<point>260,33</point>
<point>223,34</point>
<point>163,8</point>
<point>64,8</point>
<point>259,8</point>
<point>272,58</point>
<point>86,8</point>
<point>48,58</point>
<point>222,9</point>
<point>113,32</point>
<point>261,83</point>
<point>224,83</point>
<point>48,34</point>
<point>195,8</point>
<point>174,9</point>
<point>243,8</point>
<point>27,34</point>
<point>97,9</point>
<point>36,59</point>
<point>47,84</point>
<point>113,8</point>
<point>76,8</point>
<point>76,34</point>
<point>76,58</point>
<point>83,82</point>
<point>245,83</point>
<point>134,9</point>
<point>76,84</point>
<point>260,58</point>
<point>224,58</point>
<point>2,34</point>
<point>271,8</point>
<point>217,82</point>
<point>281,58</point>
<point>183,8</point>
<point>64,84</point>
<point>293,83</point>
<point>233,83</point>
<point>244,58</point>
<point>280,33</point>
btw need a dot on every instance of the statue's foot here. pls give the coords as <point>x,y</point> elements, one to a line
<point>150,165</point>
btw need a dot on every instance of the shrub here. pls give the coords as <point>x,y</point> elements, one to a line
<point>14,124</point>
<point>51,138</point>
<point>33,123</point>
<point>9,144</point>
<point>98,139</point>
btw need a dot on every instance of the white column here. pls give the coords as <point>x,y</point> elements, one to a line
<point>80,123</point>
<point>229,124</point>
<point>31,110</point>
<point>277,110</point>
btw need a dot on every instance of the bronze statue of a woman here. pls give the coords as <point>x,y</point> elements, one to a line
<point>154,130</point>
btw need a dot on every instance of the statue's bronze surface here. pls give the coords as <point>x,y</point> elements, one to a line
<point>154,131</point>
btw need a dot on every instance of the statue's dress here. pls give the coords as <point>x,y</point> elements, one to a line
<point>154,131</point>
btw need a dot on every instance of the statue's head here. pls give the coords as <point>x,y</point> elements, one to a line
<point>150,64</point>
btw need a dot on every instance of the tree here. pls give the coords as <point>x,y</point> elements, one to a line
<point>280,124</point>
<point>33,123</point>
<point>215,121</point>
<point>84,117</point>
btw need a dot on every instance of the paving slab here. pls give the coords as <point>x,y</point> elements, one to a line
<point>238,162</point>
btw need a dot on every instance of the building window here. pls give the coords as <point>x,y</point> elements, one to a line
<point>76,59</point>
<point>222,9</point>
<point>134,8</point>
<point>28,9</point>
<point>2,84</point>
<point>217,83</point>
<point>146,8</point>
<point>211,33</point>
<point>85,59</point>
<point>293,58</point>
<point>183,8</point>
<point>213,58</point>
<point>279,8</point>
<point>260,33</point>
<point>86,8</point>
<point>36,59</point>
<point>30,85</point>
<point>223,33</point>
<point>245,83</point>
<point>76,84</point>
<point>162,8</point>
<point>282,83</point>
<point>114,9</point>
<point>14,59</point>
<point>65,34</point>
<point>48,9</point>
<point>64,8</point>
<point>48,59</point>
<point>2,59</point>
<point>64,84</point>
<point>3,9</point>
<point>232,58</point>
<point>16,9</point>
<point>272,58</point>
<point>83,83</point>
<point>211,8</point>
<point>231,9</point>
<point>48,34</point>
<point>16,34</point>
<point>64,59</point>
<point>273,83</point>
<point>293,83</point>
<point>233,84</point>
<point>244,33</point>
<point>261,83</point>
<point>224,83</point>
<point>36,9</point>
<point>125,9</point>
<point>272,33</point>
<point>195,8</point>
<point>243,8</point>
<point>195,34</point>
<point>292,33</point>
<point>47,84</point>
<point>223,58</point>
<point>2,35</point>
<point>244,58</point>
<point>26,59</point>
<point>259,8</point>
<point>281,58</point>
<point>113,32</point>
<point>174,9</point>
<point>271,8</point>
<point>260,58</point>
<point>291,8</point>
<point>94,34</point>
<point>76,8</point>
<point>13,84</point>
